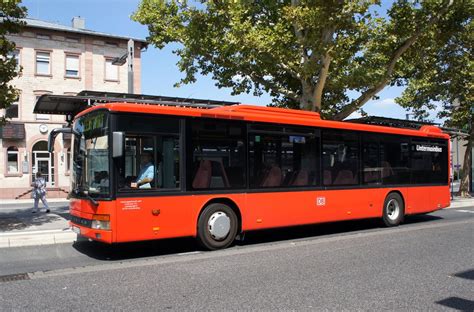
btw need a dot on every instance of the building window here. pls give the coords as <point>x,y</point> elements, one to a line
<point>12,110</point>
<point>12,160</point>
<point>43,62</point>
<point>43,36</point>
<point>15,55</point>
<point>68,160</point>
<point>72,39</point>
<point>72,65</point>
<point>111,71</point>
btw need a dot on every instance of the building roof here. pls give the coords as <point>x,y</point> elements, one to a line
<point>35,23</point>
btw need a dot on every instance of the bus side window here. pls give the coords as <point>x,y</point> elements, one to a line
<point>218,159</point>
<point>371,167</point>
<point>168,169</point>
<point>150,162</point>
<point>340,157</point>
<point>283,160</point>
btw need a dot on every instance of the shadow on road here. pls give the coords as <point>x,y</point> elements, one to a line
<point>457,303</point>
<point>22,219</point>
<point>163,247</point>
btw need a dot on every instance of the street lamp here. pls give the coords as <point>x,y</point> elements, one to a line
<point>127,58</point>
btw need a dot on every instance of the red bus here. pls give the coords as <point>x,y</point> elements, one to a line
<point>162,169</point>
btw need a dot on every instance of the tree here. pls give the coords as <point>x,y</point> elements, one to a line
<point>10,13</point>
<point>306,53</point>
<point>444,76</point>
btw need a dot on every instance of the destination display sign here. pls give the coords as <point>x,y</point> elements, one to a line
<point>94,122</point>
<point>428,148</point>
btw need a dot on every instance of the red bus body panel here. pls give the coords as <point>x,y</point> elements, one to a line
<point>147,218</point>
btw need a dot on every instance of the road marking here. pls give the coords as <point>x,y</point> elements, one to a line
<point>468,211</point>
<point>189,253</point>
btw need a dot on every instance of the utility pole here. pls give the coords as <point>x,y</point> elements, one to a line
<point>130,58</point>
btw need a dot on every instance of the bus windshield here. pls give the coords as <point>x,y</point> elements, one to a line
<point>90,159</point>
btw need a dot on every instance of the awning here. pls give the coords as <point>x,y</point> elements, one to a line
<point>61,104</point>
<point>72,105</point>
<point>13,131</point>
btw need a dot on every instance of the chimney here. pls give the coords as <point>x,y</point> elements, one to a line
<point>78,22</point>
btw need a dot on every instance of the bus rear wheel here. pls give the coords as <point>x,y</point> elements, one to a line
<point>217,227</point>
<point>393,210</point>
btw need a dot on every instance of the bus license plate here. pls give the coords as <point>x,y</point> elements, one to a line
<point>76,230</point>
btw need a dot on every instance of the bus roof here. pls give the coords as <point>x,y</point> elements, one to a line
<point>254,113</point>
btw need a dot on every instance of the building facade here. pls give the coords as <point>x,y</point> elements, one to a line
<point>55,59</point>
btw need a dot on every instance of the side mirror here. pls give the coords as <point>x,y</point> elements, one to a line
<point>117,144</point>
<point>53,134</point>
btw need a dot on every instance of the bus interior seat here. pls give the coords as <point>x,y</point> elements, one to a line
<point>202,178</point>
<point>344,177</point>
<point>235,176</point>
<point>387,170</point>
<point>273,177</point>
<point>370,177</point>
<point>289,177</point>
<point>218,175</point>
<point>327,178</point>
<point>301,178</point>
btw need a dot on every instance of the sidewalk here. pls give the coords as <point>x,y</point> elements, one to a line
<point>458,202</point>
<point>20,227</point>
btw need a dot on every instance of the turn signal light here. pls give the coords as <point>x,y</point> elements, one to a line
<point>99,217</point>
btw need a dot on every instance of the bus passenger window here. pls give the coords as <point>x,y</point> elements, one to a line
<point>371,168</point>
<point>283,160</point>
<point>218,159</point>
<point>340,158</point>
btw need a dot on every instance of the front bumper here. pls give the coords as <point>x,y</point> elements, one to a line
<point>104,236</point>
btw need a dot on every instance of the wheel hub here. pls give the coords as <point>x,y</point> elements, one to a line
<point>219,225</point>
<point>393,209</point>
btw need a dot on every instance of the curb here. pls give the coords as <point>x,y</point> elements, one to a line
<point>36,238</point>
<point>30,201</point>
<point>461,203</point>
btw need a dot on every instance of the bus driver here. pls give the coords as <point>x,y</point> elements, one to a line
<point>146,175</point>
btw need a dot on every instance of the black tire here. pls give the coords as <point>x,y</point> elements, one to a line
<point>393,210</point>
<point>204,235</point>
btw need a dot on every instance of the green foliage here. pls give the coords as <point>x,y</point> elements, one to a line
<point>443,75</point>
<point>306,53</point>
<point>10,12</point>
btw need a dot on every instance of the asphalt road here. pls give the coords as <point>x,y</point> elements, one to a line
<point>426,264</point>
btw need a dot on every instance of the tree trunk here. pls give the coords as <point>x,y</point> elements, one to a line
<point>307,100</point>
<point>466,168</point>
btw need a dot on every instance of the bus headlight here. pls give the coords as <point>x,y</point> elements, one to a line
<point>101,222</point>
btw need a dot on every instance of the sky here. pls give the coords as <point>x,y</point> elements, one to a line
<point>159,70</point>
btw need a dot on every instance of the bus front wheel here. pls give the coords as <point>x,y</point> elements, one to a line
<point>217,227</point>
<point>393,210</point>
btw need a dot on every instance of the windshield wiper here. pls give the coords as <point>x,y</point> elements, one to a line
<point>84,193</point>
